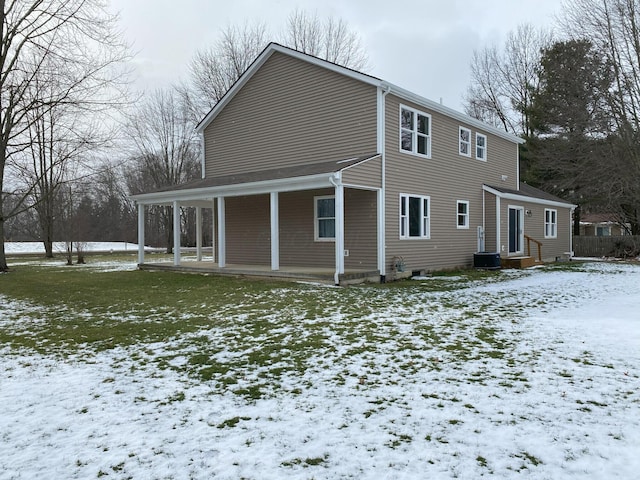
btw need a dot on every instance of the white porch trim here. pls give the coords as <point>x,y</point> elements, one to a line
<point>339,226</point>
<point>140,234</point>
<point>176,233</point>
<point>275,231</point>
<point>222,255</point>
<point>199,233</point>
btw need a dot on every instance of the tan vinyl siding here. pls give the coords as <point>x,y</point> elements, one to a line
<point>297,244</point>
<point>248,230</point>
<point>490,222</point>
<point>368,174</point>
<point>445,177</point>
<point>290,113</point>
<point>360,233</point>
<point>552,248</point>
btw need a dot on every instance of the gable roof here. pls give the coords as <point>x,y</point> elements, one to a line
<point>359,76</point>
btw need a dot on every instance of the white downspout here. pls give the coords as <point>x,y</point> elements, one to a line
<point>498,220</point>
<point>382,231</point>
<point>336,181</point>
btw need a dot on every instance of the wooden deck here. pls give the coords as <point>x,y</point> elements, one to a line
<point>292,273</point>
<point>518,262</point>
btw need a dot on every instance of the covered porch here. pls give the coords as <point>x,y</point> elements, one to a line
<point>320,222</point>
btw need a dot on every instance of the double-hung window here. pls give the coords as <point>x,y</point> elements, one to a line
<point>481,146</point>
<point>415,132</point>
<point>550,223</point>
<point>325,218</point>
<point>465,142</point>
<point>414,216</point>
<point>463,214</point>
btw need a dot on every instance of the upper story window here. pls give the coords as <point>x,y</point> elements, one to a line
<point>481,146</point>
<point>415,131</point>
<point>464,147</point>
<point>550,223</point>
<point>463,214</point>
<point>325,218</point>
<point>414,216</point>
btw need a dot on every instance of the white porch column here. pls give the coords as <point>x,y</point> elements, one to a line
<point>339,212</point>
<point>275,232</point>
<point>140,234</point>
<point>199,234</point>
<point>381,230</point>
<point>222,255</point>
<point>213,230</point>
<point>176,233</point>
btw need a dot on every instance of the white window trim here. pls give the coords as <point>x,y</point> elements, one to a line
<point>484,149</point>
<point>551,226</point>
<point>460,142</point>
<point>466,215</point>
<point>414,143</point>
<point>425,228</point>
<point>316,233</point>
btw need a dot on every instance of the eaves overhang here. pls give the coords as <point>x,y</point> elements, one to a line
<point>309,182</point>
<point>526,198</point>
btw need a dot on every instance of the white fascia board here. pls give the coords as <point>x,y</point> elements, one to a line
<point>449,112</point>
<point>524,198</point>
<point>254,188</point>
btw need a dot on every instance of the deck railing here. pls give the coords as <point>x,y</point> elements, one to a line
<point>529,240</point>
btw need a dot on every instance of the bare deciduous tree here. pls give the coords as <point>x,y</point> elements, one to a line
<point>166,149</point>
<point>328,38</point>
<point>215,69</point>
<point>71,43</point>
<point>503,82</point>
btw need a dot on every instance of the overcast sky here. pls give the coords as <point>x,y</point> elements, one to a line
<point>423,45</point>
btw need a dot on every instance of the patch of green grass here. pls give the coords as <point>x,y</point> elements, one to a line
<point>307,462</point>
<point>232,422</point>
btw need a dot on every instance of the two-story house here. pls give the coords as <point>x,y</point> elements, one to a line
<point>311,166</point>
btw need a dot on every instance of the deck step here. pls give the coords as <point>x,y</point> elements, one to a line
<point>519,262</point>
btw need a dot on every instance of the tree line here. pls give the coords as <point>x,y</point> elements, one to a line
<point>76,142</point>
<point>575,98</point>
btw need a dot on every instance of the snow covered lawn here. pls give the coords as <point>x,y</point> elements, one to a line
<point>524,374</point>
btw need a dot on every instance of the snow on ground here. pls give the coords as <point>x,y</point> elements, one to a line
<point>14,248</point>
<point>561,400</point>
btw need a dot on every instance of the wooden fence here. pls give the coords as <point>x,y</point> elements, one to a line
<point>623,246</point>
